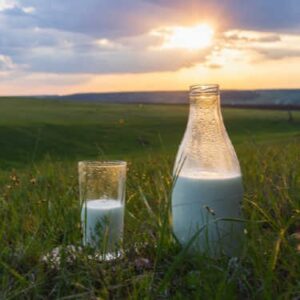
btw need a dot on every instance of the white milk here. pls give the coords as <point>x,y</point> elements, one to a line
<point>104,223</point>
<point>197,201</point>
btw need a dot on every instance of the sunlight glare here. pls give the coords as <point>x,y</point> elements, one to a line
<point>191,38</point>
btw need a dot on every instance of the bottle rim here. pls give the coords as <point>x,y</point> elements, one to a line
<point>204,89</point>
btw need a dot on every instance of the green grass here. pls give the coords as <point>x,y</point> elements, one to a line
<point>40,144</point>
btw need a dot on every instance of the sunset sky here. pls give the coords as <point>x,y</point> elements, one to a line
<point>70,46</point>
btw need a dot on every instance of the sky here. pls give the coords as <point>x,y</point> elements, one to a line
<point>72,46</point>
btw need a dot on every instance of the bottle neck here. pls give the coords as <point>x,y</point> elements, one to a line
<point>204,101</point>
<point>206,147</point>
<point>205,111</point>
<point>206,136</point>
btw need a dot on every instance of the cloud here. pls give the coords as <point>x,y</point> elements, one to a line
<point>278,53</point>
<point>102,19</point>
<point>6,63</point>
<point>111,19</point>
<point>266,15</point>
<point>106,37</point>
<point>267,44</point>
<point>57,51</point>
<point>7,4</point>
<point>108,62</point>
<point>213,66</point>
<point>9,70</point>
<point>236,47</point>
<point>13,7</point>
<point>53,51</point>
<point>28,9</point>
<point>252,36</point>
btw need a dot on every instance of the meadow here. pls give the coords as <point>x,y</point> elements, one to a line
<point>40,144</point>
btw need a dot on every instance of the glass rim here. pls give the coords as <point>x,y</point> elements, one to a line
<point>103,163</point>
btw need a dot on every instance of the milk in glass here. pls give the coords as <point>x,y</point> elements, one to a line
<point>103,221</point>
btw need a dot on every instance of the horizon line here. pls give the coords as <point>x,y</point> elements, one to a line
<point>143,91</point>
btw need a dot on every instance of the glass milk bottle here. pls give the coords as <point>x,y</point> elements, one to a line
<point>207,192</point>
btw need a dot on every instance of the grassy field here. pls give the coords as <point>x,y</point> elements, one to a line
<point>40,144</point>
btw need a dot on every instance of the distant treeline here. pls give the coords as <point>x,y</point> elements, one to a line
<point>288,99</point>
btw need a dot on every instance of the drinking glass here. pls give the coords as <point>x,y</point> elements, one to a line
<point>102,196</point>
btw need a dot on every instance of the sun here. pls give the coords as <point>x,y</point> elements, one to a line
<point>191,38</point>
